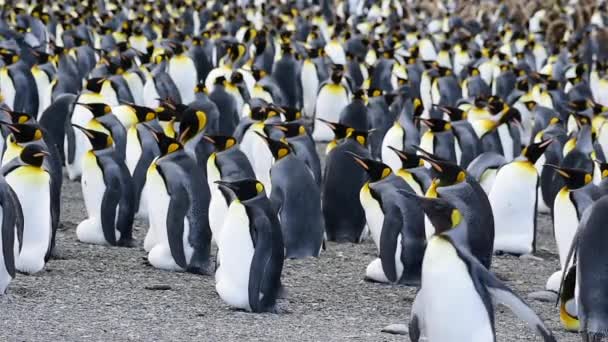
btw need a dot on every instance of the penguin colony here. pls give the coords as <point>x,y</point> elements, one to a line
<point>448,125</point>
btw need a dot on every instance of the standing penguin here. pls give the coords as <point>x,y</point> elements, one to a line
<point>108,194</point>
<point>342,181</point>
<point>252,252</point>
<point>227,163</point>
<point>514,200</point>
<point>303,146</point>
<point>456,286</point>
<point>295,197</point>
<point>183,72</point>
<point>332,97</point>
<point>396,225</point>
<point>180,237</point>
<point>31,183</point>
<point>286,72</point>
<point>439,139</point>
<point>570,204</point>
<point>11,234</point>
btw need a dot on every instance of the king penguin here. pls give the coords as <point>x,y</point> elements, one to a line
<point>396,224</point>
<point>179,234</point>
<point>31,183</point>
<point>332,97</point>
<point>456,288</point>
<point>514,200</point>
<point>11,234</point>
<point>252,250</point>
<point>182,71</point>
<point>295,197</point>
<point>108,194</point>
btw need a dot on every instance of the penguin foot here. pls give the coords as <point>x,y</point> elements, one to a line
<point>206,269</point>
<point>126,242</point>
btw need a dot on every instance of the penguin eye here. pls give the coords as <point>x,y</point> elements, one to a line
<point>456,217</point>
<point>259,187</point>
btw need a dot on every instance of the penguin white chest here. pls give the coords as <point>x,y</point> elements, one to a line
<point>235,254</point>
<point>453,309</point>
<point>133,150</point>
<point>513,201</point>
<point>31,186</point>
<point>331,100</point>
<point>566,223</point>
<point>394,138</point>
<point>7,88</point>
<point>310,86</point>
<point>373,213</point>
<point>157,209</point>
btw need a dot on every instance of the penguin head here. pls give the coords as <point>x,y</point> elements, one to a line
<point>358,136</point>
<point>191,123</point>
<point>375,170</point>
<point>258,73</point>
<point>221,142</point>
<point>41,57</point>
<point>442,214</point>
<point>446,172</point>
<point>360,95</point>
<point>574,178</point>
<point>340,130</point>
<point>455,114</point>
<point>278,148</point>
<point>496,105</point>
<point>533,151</point>
<point>95,84</point>
<point>166,144</point>
<point>264,112</point>
<point>337,72</point>
<point>19,117</point>
<point>408,160</point>
<point>437,125</point>
<point>242,190</point>
<point>97,109</point>
<point>143,114</point>
<point>201,88</point>
<point>169,110</point>
<point>8,56</point>
<point>236,78</point>
<point>25,132</point>
<point>99,140</point>
<point>291,113</point>
<point>291,129</point>
<point>33,155</point>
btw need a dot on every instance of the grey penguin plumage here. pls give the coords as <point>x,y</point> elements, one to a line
<point>303,146</point>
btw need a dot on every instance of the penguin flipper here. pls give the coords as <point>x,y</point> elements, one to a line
<point>264,276</point>
<point>391,228</point>
<point>71,140</point>
<point>178,208</point>
<point>109,202</point>
<point>8,235</point>
<point>126,208</point>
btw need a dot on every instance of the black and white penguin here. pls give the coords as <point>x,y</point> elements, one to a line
<point>252,250</point>
<point>396,224</point>
<point>294,196</point>
<point>11,234</point>
<point>448,266</point>
<point>303,146</point>
<point>31,183</point>
<point>108,194</point>
<point>179,237</point>
<point>332,97</point>
<point>342,182</point>
<point>514,202</point>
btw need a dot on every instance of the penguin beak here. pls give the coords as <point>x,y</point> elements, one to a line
<point>359,161</point>
<point>10,126</point>
<point>280,127</point>
<point>427,123</point>
<point>151,129</point>
<point>398,152</point>
<point>84,105</point>
<point>559,170</point>
<point>209,139</point>
<point>328,123</point>
<point>428,157</point>
<point>42,154</point>
<point>226,186</point>
<point>83,130</point>
<point>262,136</point>
<point>182,136</point>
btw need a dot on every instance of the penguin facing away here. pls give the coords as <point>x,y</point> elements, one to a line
<point>252,250</point>
<point>456,288</point>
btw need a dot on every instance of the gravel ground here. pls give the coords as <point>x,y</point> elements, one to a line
<point>95,293</point>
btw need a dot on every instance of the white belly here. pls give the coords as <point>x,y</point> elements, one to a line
<point>453,310</point>
<point>330,102</point>
<point>373,214</point>
<point>259,156</point>
<point>235,255</point>
<point>7,88</point>
<point>81,117</point>
<point>43,85</point>
<point>217,212</point>
<point>394,138</point>
<point>150,94</point>
<point>136,87</point>
<point>310,86</point>
<point>183,74</point>
<point>32,188</point>
<point>157,210</point>
<point>513,201</point>
<point>566,224</point>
